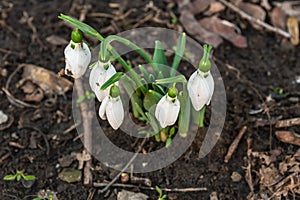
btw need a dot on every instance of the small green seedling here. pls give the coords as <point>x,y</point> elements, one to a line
<point>27,180</point>
<point>88,95</point>
<point>279,91</point>
<point>49,197</point>
<point>161,195</point>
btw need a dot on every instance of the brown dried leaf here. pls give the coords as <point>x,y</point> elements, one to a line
<point>36,96</point>
<point>289,165</point>
<point>253,10</point>
<point>48,81</point>
<point>222,28</point>
<point>28,87</point>
<point>288,137</point>
<point>269,175</point>
<point>215,7</point>
<point>56,40</point>
<point>127,195</point>
<point>278,18</point>
<point>195,29</point>
<point>200,6</point>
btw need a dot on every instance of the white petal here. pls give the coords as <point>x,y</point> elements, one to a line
<point>77,59</point>
<point>115,112</point>
<point>167,111</point>
<point>199,90</point>
<point>211,85</point>
<point>98,76</point>
<point>102,109</point>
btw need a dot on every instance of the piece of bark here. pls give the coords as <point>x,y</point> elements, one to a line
<point>222,28</point>
<point>278,17</point>
<point>287,123</point>
<point>191,26</point>
<point>288,137</point>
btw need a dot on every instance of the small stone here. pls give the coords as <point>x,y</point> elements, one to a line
<point>294,99</point>
<point>3,117</point>
<point>236,177</point>
<point>70,175</point>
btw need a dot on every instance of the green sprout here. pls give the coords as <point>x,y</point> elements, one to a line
<point>49,197</point>
<point>27,180</point>
<point>279,91</point>
<point>161,195</point>
<point>88,95</point>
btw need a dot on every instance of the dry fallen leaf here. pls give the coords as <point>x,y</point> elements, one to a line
<point>224,29</point>
<point>278,18</point>
<point>56,40</point>
<point>126,195</point>
<point>253,10</point>
<point>288,137</point>
<point>269,175</point>
<point>48,81</point>
<point>195,29</point>
<point>215,7</point>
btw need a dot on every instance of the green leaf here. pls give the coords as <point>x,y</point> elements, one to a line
<point>140,110</point>
<point>10,177</point>
<point>159,54</point>
<point>158,190</point>
<point>158,88</point>
<point>87,29</point>
<point>80,99</point>
<point>198,116</point>
<point>29,177</point>
<point>185,112</point>
<point>157,137</point>
<point>164,196</point>
<point>116,77</point>
<point>38,198</point>
<point>168,142</point>
<point>160,75</point>
<point>154,124</point>
<point>144,72</point>
<point>180,48</point>
<point>172,131</point>
<point>19,177</point>
<point>151,98</point>
<point>175,79</point>
<point>135,100</point>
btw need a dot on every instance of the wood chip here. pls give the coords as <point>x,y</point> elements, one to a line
<point>293,28</point>
<point>288,137</point>
<point>287,123</point>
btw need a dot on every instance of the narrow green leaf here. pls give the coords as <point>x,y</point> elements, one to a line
<point>80,99</point>
<point>158,190</point>
<point>198,116</point>
<point>9,177</point>
<point>154,124</point>
<point>87,29</point>
<point>185,112</point>
<point>19,177</point>
<point>151,98</point>
<point>180,48</point>
<point>159,57</point>
<point>172,131</point>
<point>144,72</point>
<point>157,137</point>
<point>140,110</point>
<point>29,177</point>
<point>168,142</point>
<point>38,198</point>
<point>159,89</point>
<point>160,75</point>
<point>116,77</point>
<point>175,79</point>
<point>164,196</point>
<point>135,100</point>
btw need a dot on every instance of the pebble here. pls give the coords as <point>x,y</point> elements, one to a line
<point>294,99</point>
<point>3,117</point>
<point>236,177</point>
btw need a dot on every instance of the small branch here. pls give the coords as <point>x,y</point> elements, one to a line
<point>234,144</point>
<point>255,20</point>
<point>288,123</point>
<point>124,168</point>
<point>151,188</point>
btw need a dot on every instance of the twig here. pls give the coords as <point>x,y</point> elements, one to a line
<point>152,188</point>
<point>125,167</point>
<point>255,20</point>
<point>288,123</point>
<point>234,144</point>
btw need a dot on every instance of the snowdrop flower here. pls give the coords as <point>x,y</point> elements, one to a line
<point>167,109</point>
<point>200,85</point>
<point>112,108</point>
<point>100,73</point>
<point>77,56</point>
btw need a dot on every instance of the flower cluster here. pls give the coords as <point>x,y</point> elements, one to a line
<point>164,108</point>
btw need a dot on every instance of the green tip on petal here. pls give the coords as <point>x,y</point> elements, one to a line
<point>205,64</point>
<point>114,91</point>
<point>172,92</point>
<point>76,36</point>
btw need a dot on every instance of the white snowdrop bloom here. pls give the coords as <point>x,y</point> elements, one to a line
<point>100,73</point>
<point>200,88</point>
<point>167,110</point>
<point>78,57</point>
<point>112,108</point>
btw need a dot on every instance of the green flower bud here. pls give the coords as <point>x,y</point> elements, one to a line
<point>76,36</point>
<point>205,64</point>
<point>114,91</point>
<point>172,92</point>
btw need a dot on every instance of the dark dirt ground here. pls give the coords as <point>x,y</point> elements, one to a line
<point>264,64</point>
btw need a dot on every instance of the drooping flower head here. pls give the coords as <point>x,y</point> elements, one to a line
<point>167,109</point>
<point>201,84</point>
<point>112,108</point>
<point>101,72</point>
<point>77,56</point>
